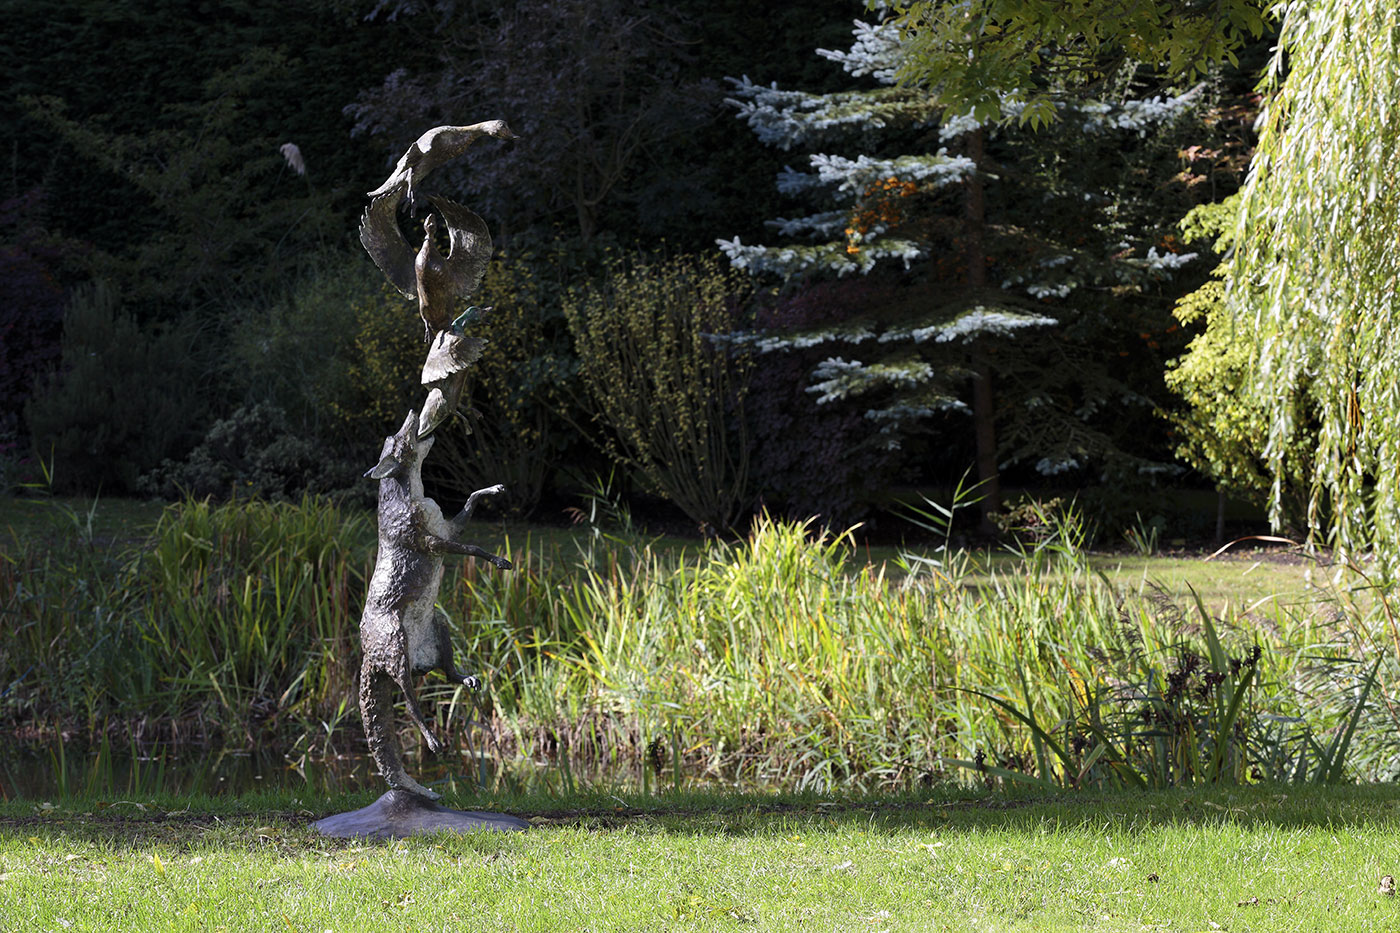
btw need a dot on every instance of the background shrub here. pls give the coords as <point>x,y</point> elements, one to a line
<point>670,398</point>
<point>340,357</point>
<point>254,452</point>
<point>31,304</point>
<point>124,398</point>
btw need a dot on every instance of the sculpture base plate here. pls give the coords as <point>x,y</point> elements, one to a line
<point>400,813</point>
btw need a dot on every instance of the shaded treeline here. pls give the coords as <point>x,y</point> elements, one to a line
<point>189,310</point>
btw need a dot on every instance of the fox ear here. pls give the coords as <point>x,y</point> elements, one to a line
<point>385,467</point>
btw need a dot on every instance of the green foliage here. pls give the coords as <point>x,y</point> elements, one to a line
<point>125,397</point>
<point>1314,271</point>
<point>1224,430</point>
<point>670,395</point>
<point>512,432</point>
<point>253,453</point>
<point>233,219</point>
<point>984,54</point>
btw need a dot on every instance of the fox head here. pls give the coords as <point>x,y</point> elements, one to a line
<point>403,452</point>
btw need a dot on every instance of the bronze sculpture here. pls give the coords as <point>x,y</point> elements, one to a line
<point>445,372</point>
<point>438,146</point>
<point>437,281</point>
<point>402,633</point>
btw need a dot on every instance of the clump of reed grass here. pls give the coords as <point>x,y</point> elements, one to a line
<point>258,601</point>
<point>229,618</point>
<point>777,659</point>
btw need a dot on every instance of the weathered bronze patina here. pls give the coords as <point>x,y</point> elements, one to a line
<point>402,632</point>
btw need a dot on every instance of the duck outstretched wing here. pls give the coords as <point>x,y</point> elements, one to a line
<point>383,240</point>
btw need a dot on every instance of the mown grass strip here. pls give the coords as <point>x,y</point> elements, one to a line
<point>1258,858</point>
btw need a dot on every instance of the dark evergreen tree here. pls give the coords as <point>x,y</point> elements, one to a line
<point>1033,299</point>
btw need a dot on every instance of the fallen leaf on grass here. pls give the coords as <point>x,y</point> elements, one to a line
<point>402,903</point>
<point>1152,876</point>
<point>1248,902</point>
<point>1387,885</point>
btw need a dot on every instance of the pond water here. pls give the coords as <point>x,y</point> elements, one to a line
<point>38,771</point>
<point>41,770</point>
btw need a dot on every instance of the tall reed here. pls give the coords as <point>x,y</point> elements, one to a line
<point>229,618</point>
<point>778,658</point>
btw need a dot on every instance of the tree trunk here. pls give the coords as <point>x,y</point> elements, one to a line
<point>587,212</point>
<point>983,397</point>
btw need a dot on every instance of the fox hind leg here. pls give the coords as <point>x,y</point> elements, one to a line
<point>377,708</point>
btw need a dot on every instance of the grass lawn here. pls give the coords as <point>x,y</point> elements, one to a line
<point>1257,858</point>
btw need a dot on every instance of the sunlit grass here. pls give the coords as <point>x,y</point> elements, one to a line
<point>1263,858</point>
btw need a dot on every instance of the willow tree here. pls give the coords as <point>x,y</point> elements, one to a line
<point>1317,266</point>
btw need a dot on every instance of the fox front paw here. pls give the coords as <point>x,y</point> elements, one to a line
<point>471,683</point>
<point>501,563</point>
<point>495,490</point>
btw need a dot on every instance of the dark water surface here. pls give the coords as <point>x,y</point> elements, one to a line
<point>41,770</point>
